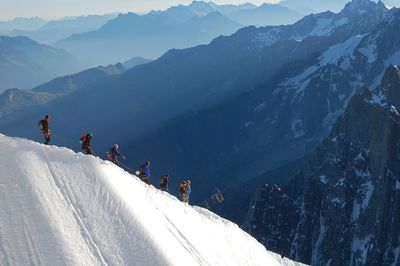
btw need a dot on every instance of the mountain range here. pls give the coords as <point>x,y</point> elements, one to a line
<point>25,63</point>
<point>277,104</point>
<point>13,100</point>
<point>27,24</point>
<point>88,37</point>
<point>56,30</point>
<point>284,112</point>
<point>149,36</point>
<point>181,26</point>
<point>273,75</point>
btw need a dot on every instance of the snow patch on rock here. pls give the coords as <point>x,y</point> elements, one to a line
<point>377,98</point>
<point>342,51</point>
<point>369,52</point>
<point>323,179</point>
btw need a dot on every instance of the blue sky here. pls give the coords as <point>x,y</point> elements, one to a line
<point>10,9</point>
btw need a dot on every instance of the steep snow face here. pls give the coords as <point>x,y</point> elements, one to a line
<point>63,208</point>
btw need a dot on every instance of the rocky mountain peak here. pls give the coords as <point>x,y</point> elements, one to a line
<point>359,7</point>
<point>113,69</point>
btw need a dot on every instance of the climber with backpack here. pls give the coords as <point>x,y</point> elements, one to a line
<point>144,172</point>
<point>85,141</point>
<point>185,190</point>
<point>45,129</point>
<point>164,182</point>
<point>113,153</point>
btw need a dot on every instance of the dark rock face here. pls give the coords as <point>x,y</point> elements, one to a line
<point>343,207</point>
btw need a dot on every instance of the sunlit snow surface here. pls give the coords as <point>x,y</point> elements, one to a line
<point>62,208</point>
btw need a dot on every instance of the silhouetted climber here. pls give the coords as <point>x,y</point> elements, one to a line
<point>85,140</point>
<point>216,198</point>
<point>217,195</point>
<point>164,182</point>
<point>45,129</point>
<point>113,153</point>
<point>185,190</point>
<point>144,172</point>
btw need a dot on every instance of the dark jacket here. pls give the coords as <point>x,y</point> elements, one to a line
<point>114,153</point>
<point>44,125</point>
<point>86,142</point>
<point>164,181</point>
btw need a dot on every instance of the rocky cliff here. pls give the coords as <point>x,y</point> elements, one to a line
<point>343,207</point>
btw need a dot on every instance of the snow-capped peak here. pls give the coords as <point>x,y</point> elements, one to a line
<point>62,208</point>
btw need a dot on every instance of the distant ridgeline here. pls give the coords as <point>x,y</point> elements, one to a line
<point>25,63</point>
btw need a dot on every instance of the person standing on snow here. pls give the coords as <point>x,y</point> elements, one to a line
<point>85,139</point>
<point>164,182</point>
<point>113,153</point>
<point>185,190</point>
<point>144,172</point>
<point>44,127</point>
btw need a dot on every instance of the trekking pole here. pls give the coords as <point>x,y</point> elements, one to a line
<point>126,167</point>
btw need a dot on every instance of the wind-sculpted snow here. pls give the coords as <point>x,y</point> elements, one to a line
<point>63,208</point>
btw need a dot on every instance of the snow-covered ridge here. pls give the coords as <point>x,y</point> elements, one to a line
<point>64,208</point>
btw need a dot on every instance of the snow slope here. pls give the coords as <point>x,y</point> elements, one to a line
<point>63,208</point>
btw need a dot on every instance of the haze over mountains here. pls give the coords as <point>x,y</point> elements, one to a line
<point>25,63</point>
<point>101,40</point>
<point>177,27</point>
<point>184,82</point>
<point>56,30</point>
<point>255,107</point>
<point>148,36</point>
<point>315,6</point>
<point>13,100</point>
<point>28,24</point>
